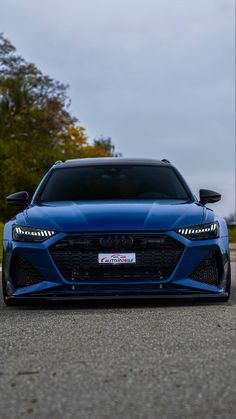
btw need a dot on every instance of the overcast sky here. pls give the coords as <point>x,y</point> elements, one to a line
<point>157,76</point>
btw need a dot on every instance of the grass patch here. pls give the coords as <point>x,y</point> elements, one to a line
<point>232,234</point>
<point>1,233</point>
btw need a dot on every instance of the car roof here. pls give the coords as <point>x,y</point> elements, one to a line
<point>111,160</point>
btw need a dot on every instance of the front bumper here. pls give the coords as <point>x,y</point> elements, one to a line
<point>41,297</point>
<point>179,285</point>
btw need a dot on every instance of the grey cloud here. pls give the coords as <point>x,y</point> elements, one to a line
<point>157,76</point>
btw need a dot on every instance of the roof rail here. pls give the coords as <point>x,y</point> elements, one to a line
<point>58,162</point>
<point>165,161</point>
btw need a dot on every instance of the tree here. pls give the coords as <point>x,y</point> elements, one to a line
<point>231,219</point>
<point>36,127</point>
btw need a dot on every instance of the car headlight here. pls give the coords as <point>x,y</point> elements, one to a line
<point>30,234</point>
<point>201,231</point>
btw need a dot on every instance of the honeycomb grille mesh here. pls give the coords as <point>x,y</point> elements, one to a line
<point>207,271</point>
<point>76,257</point>
<point>24,273</point>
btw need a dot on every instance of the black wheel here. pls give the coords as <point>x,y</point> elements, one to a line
<point>7,301</point>
<point>4,294</point>
<point>227,287</point>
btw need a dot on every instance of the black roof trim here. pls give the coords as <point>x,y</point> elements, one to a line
<point>110,160</point>
<point>165,161</point>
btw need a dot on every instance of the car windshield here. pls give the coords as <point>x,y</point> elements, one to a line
<point>112,182</point>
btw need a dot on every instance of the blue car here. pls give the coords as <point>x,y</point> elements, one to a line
<point>115,228</point>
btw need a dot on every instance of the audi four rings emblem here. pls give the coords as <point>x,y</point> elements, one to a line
<point>114,242</point>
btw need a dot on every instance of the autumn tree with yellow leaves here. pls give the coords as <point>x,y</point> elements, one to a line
<point>36,127</point>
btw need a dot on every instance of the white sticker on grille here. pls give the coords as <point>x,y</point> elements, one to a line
<point>116,258</point>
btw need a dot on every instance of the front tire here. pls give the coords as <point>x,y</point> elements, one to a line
<point>227,286</point>
<point>8,301</point>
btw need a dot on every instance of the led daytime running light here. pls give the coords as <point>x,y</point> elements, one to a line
<point>31,234</point>
<point>41,233</point>
<point>186,231</point>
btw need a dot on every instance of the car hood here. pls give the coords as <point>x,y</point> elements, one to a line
<point>105,216</point>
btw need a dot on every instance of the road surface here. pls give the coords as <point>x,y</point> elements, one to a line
<point>118,361</point>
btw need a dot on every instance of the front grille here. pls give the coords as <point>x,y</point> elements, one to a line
<point>207,271</point>
<point>24,273</point>
<point>77,257</point>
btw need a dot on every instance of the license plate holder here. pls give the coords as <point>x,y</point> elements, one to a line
<point>116,258</point>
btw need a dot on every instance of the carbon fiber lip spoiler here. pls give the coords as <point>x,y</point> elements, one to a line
<point>86,297</point>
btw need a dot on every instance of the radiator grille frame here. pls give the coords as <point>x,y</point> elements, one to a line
<point>76,257</point>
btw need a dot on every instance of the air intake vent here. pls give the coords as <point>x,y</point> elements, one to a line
<point>24,273</point>
<point>207,271</point>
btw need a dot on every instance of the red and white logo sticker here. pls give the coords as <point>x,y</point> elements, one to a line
<point>116,258</point>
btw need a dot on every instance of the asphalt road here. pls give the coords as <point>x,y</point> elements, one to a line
<point>118,360</point>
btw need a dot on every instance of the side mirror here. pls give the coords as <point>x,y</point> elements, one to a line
<point>207,196</point>
<point>19,199</point>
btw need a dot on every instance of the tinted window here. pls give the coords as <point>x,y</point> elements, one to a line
<point>113,182</point>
